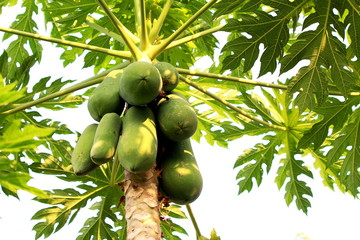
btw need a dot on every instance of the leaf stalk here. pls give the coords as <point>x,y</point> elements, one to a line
<point>135,51</point>
<point>154,32</point>
<point>141,20</point>
<point>90,21</point>
<point>86,83</point>
<point>116,53</point>
<point>250,82</point>
<point>232,107</point>
<point>194,36</point>
<point>193,221</point>
<point>157,49</point>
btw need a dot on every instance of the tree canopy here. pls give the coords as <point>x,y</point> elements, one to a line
<point>311,46</point>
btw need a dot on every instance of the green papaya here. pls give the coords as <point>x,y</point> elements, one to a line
<point>180,178</point>
<point>176,118</point>
<point>137,147</point>
<point>106,138</point>
<point>80,157</point>
<point>169,75</point>
<point>105,98</point>
<point>140,83</point>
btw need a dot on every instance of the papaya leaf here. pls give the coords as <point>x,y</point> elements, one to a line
<point>253,161</point>
<point>325,52</point>
<point>16,50</point>
<point>13,180</point>
<point>346,149</point>
<point>289,172</point>
<point>227,6</point>
<point>97,226</point>
<point>263,28</point>
<point>168,227</point>
<point>352,20</point>
<point>335,113</point>
<point>15,139</point>
<point>9,95</point>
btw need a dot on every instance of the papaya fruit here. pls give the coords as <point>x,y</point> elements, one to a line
<point>180,178</point>
<point>169,75</point>
<point>138,143</point>
<point>80,157</point>
<point>140,83</point>
<point>106,138</point>
<point>176,118</point>
<point>105,98</point>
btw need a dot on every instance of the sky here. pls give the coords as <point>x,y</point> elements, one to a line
<point>261,214</point>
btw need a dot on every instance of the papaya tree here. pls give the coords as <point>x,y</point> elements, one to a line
<point>310,108</point>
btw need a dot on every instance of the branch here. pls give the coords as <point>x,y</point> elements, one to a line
<point>232,107</point>
<point>194,36</point>
<point>250,82</point>
<point>135,51</point>
<point>154,32</point>
<point>86,83</point>
<point>157,49</point>
<point>116,53</point>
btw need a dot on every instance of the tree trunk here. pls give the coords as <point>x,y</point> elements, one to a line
<point>142,206</point>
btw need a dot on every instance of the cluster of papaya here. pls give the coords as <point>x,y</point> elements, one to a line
<point>142,122</point>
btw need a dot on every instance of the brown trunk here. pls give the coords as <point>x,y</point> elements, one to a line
<point>142,206</point>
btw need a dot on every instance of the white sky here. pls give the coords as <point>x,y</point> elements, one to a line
<point>259,215</point>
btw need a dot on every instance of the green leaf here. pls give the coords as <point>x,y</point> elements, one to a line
<point>8,94</point>
<point>15,138</point>
<point>253,161</point>
<point>335,114</point>
<point>289,171</point>
<point>264,28</point>
<point>97,226</point>
<point>346,148</point>
<point>16,50</point>
<point>13,180</point>
<point>325,52</point>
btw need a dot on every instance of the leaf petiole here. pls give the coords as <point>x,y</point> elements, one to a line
<point>157,49</point>
<point>232,107</point>
<point>116,53</point>
<point>86,83</point>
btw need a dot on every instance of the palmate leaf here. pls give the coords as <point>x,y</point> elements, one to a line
<point>16,50</point>
<point>12,180</point>
<point>9,95</point>
<point>346,148</point>
<point>14,138</point>
<point>253,161</point>
<point>335,113</point>
<point>290,170</point>
<point>353,20</point>
<point>325,51</point>
<point>263,28</point>
<point>168,227</point>
<point>96,226</point>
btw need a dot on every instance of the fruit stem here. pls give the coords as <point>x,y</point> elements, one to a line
<point>116,53</point>
<point>157,49</point>
<point>154,32</point>
<point>86,83</point>
<point>193,221</point>
<point>135,51</point>
<point>227,104</point>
